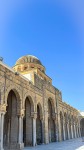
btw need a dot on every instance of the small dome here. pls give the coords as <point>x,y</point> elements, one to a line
<point>28,59</point>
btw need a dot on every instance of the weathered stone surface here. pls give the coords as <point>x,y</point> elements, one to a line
<point>23,101</point>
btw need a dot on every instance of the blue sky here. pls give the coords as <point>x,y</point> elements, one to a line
<point>53,31</point>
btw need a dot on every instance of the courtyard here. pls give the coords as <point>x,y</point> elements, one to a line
<point>73,144</point>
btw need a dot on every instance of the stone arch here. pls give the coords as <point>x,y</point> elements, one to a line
<point>15,90</point>
<point>31,101</point>
<point>28,121</point>
<point>18,96</point>
<point>41,110</point>
<point>52,103</point>
<point>11,134</point>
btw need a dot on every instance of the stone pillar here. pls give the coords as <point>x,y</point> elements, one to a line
<point>1,130</point>
<point>22,129</point>
<point>49,129</point>
<point>79,130</point>
<point>20,136</point>
<point>59,127</point>
<point>42,131</point>
<point>64,129</point>
<point>46,132</point>
<point>56,128</point>
<point>20,132</point>
<point>0,126</point>
<point>71,131</point>
<point>68,130</point>
<point>75,130</point>
<point>34,131</point>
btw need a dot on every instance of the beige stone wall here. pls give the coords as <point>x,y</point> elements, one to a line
<point>39,94</point>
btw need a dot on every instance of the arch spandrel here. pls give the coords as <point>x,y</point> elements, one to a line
<point>19,102</point>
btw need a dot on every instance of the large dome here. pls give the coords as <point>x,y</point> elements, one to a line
<point>28,59</point>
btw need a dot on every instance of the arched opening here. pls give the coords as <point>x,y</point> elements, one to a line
<point>82,127</point>
<point>27,124</point>
<point>38,126</point>
<point>11,123</point>
<point>51,123</point>
<point>61,124</point>
<point>65,122</point>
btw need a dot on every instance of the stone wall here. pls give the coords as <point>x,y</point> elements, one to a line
<point>26,120</point>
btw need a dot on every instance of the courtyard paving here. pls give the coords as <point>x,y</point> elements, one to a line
<point>73,144</point>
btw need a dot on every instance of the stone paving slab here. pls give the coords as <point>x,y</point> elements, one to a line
<point>73,144</point>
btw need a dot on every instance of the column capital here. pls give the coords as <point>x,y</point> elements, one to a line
<point>34,115</point>
<point>34,132</point>
<point>21,113</point>
<point>1,130</point>
<point>2,113</point>
<point>3,108</point>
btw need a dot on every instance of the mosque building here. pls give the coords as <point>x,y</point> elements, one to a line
<point>32,111</point>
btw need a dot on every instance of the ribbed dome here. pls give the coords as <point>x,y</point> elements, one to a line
<point>28,59</point>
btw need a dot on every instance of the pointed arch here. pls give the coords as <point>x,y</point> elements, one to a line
<point>51,101</point>
<point>30,100</point>
<point>27,121</point>
<point>11,119</point>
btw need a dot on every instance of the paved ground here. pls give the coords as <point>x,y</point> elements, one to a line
<point>73,144</point>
